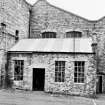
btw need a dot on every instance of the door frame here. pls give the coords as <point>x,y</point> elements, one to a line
<point>33,78</point>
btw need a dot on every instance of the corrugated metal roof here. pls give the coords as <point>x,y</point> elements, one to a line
<point>82,45</point>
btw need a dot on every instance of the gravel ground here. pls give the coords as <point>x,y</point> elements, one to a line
<point>19,97</point>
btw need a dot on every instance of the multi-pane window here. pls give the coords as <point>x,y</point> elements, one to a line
<point>18,69</point>
<point>79,67</point>
<point>73,34</point>
<point>49,35</point>
<point>59,71</point>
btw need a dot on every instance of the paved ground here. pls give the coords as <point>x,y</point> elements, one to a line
<point>18,97</point>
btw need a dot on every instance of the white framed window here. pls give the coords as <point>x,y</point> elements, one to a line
<point>79,68</point>
<point>73,34</point>
<point>59,71</point>
<point>18,69</point>
<point>49,35</point>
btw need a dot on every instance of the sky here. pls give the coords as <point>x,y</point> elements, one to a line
<point>89,9</point>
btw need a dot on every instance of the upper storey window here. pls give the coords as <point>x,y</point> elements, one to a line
<point>74,34</point>
<point>49,35</point>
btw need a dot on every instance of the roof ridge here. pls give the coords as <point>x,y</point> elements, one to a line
<point>69,12</point>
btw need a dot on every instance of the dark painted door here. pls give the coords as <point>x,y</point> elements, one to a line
<point>99,84</point>
<point>38,79</point>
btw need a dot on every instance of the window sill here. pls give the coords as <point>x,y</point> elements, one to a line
<point>18,80</point>
<point>79,83</point>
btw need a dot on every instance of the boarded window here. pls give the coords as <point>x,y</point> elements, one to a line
<point>73,34</point>
<point>79,67</point>
<point>49,35</point>
<point>18,69</point>
<point>59,71</point>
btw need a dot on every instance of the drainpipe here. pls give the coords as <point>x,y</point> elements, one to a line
<point>74,45</point>
<point>29,23</point>
<point>3,28</point>
<point>94,48</point>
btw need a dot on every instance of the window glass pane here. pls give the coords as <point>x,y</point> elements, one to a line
<point>79,63</point>
<point>75,74</point>
<point>83,63</point>
<point>56,69</point>
<point>80,75</point>
<point>79,69</point>
<point>56,63</point>
<point>76,68</point>
<point>63,68</point>
<point>75,79</point>
<point>82,69</point>
<point>76,64</point>
<point>82,80</point>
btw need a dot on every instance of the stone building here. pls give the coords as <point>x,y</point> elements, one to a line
<point>54,65</point>
<point>43,25</point>
<point>14,25</point>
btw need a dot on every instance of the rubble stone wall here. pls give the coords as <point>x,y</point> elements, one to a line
<point>45,17</point>
<point>15,14</point>
<point>47,61</point>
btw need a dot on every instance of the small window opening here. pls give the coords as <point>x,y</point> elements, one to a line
<point>16,35</point>
<point>74,34</point>
<point>49,35</point>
